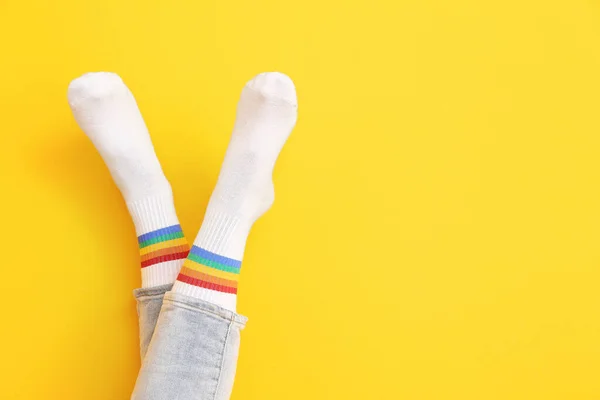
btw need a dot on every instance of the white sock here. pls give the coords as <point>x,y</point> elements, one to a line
<point>266,115</point>
<point>107,112</point>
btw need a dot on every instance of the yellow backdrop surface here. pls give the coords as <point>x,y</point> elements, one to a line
<point>436,228</point>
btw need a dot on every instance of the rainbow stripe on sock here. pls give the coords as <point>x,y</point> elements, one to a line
<point>162,245</point>
<point>211,271</point>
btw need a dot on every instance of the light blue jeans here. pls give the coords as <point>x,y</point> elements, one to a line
<point>189,347</point>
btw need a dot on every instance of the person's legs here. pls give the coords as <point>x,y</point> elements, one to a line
<point>193,352</point>
<point>107,112</point>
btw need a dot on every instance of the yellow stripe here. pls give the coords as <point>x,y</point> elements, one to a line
<point>208,278</point>
<point>210,271</point>
<point>163,245</point>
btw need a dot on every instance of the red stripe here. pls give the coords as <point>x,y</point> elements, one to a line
<point>190,273</point>
<point>164,252</point>
<point>167,257</point>
<point>206,285</point>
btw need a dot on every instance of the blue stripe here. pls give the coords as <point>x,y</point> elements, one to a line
<point>159,232</point>
<point>230,262</point>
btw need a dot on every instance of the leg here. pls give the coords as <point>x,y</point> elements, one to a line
<point>107,112</point>
<point>193,352</point>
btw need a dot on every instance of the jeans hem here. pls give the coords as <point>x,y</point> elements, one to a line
<point>152,291</point>
<point>205,307</point>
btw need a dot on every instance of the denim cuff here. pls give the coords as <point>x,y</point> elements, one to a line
<point>203,306</point>
<point>152,291</point>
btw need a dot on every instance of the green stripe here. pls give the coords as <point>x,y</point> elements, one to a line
<point>213,264</point>
<point>163,238</point>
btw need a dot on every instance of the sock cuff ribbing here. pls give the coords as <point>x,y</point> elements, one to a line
<point>222,299</point>
<point>161,274</point>
<point>223,234</point>
<point>212,268</point>
<point>162,244</point>
<point>152,213</point>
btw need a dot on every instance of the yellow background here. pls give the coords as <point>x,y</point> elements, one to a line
<point>436,228</point>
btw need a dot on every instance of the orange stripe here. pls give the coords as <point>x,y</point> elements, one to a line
<point>207,285</point>
<point>161,259</point>
<point>163,252</point>
<point>208,278</point>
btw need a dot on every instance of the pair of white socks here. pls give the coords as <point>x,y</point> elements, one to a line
<point>107,112</point>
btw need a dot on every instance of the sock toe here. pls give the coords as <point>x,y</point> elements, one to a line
<point>94,85</point>
<point>274,85</point>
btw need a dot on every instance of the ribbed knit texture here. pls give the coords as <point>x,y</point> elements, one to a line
<point>162,244</point>
<point>208,274</point>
